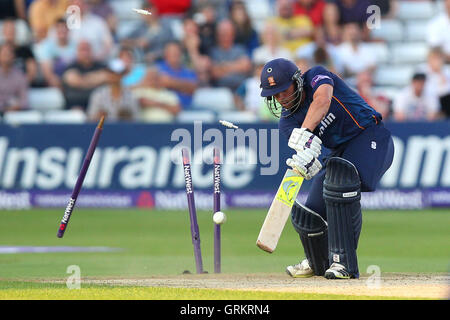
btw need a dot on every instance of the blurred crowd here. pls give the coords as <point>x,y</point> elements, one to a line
<point>152,72</point>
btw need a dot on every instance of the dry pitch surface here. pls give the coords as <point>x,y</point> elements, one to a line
<point>427,286</point>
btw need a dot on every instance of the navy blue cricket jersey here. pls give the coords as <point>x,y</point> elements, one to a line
<point>347,116</point>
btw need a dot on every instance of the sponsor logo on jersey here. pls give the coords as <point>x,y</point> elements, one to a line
<point>317,78</point>
<point>326,121</point>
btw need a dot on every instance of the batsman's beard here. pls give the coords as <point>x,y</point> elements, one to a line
<point>290,103</point>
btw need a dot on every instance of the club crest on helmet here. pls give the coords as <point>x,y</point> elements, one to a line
<point>271,81</point>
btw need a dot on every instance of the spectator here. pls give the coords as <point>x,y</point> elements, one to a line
<point>175,76</point>
<point>150,36</point>
<point>157,103</point>
<point>341,12</point>
<point>247,96</point>
<point>438,78</point>
<point>322,58</point>
<point>271,46</point>
<point>438,34</point>
<point>303,64</point>
<point>245,34</point>
<point>54,54</point>
<point>112,100</point>
<point>353,54</point>
<point>13,82</point>
<point>93,29</point>
<point>172,8</point>
<point>25,60</point>
<point>379,102</point>
<point>43,14</point>
<point>13,9</point>
<point>296,30</point>
<point>201,63</point>
<point>322,53</point>
<point>206,18</point>
<point>103,9</point>
<point>352,11</point>
<point>135,73</point>
<point>388,8</point>
<point>221,8</point>
<point>445,107</point>
<point>231,65</point>
<point>312,8</point>
<point>415,103</point>
<point>82,77</point>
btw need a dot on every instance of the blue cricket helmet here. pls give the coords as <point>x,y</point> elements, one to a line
<point>277,76</point>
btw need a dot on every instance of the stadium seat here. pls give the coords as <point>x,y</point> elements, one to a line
<point>259,11</point>
<point>414,52</point>
<point>412,10</point>
<point>23,117</point>
<point>439,6</point>
<point>124,9</point>
<point>416,30</point>
<point>189,116</point>
<point>390,30</point>
<point>238,116</point>
<point>44,99</point>
<point>380,49</point>
<point>176,25</point>
<point>125,27</point>
<point>213,98</point>
<point>65,116</point>
<point>398,76</point>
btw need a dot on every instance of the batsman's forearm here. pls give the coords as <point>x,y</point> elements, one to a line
<point>317,111</point>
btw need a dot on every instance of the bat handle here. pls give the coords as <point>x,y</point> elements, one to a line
<point>297,172</point>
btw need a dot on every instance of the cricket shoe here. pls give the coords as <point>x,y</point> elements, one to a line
<point>338,271</point>
<point>301,270</point>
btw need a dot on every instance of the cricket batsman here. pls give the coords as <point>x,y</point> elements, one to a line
<point>317,108</point>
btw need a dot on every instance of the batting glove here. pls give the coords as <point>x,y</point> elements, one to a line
<point>302,139</point>
<point>304,164</point>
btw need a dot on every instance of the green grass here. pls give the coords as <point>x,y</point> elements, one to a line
<point>48,291</point>
<point>159,243</point>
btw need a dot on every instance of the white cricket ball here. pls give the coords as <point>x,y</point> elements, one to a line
<point>219,217</point>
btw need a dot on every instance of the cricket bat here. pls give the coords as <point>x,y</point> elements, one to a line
<point>279,211</point>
